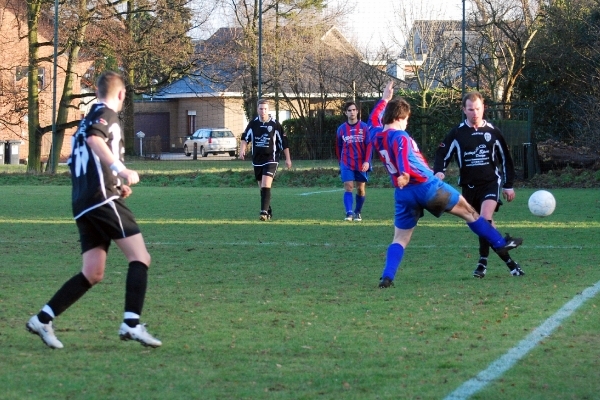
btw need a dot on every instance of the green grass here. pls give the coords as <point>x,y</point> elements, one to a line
<point>289,309</point>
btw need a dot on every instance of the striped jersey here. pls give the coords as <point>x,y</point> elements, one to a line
<point>481,154</point>
<point>95,184</point>
<point>266,139</point>
<point>398,151</point>
<point>353,147</point>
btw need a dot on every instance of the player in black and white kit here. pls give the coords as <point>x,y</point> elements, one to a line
<point>484,162</point>
<point>100,183</point>
<point>267,140</point>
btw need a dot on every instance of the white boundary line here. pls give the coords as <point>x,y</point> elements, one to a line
<point>504,363</point>
<point>323,191</point>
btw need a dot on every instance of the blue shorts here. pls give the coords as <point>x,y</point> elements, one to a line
<point>434,196</point>
<point>348,175</point>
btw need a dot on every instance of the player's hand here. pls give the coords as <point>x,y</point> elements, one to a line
<point>440,175</point>
<point>388,92</point>
<point>403,180</point>
<point>241,156</point>
<point>288,163</point>
<point>508,194</point>
<point>131,177</point>
<point>125,191</point>
<point>365,167</point>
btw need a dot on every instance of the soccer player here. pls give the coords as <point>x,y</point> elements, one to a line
<point>268,140</point>
<point>354,155</point>
<point>100,183</point>
<point>416,187</point>
<point>484,161</point>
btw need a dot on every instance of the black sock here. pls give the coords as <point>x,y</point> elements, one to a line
<point>484,248</point>
<point>135,290</point>
<point>265,198</point>
<point>69,293</point>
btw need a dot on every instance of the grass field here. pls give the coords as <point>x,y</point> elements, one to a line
<point>290,309</point>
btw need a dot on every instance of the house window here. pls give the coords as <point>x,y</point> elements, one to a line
<point>191,122</point>
<point>20,73</point>
<point>41,77</point>
<point>418,50</point>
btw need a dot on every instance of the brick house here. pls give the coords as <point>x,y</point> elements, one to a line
<point>214,96</point>
<point>13,84</point>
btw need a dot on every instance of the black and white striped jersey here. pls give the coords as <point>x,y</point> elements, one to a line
<point>95,184</point>
<point>267,140</point>
<point>482,155</point>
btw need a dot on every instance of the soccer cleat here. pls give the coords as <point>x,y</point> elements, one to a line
<point>385,283</point>
<point>264,216</point>
<point>139,333</point>
<point>44,331</point>
<point>517,271</point>
<point>349,216</point>
<point>511,244</point>
<point>270,213</point>
<point>479,271</point>
<point>357,217</point>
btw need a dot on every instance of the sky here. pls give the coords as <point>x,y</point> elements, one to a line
<point>372,21</point>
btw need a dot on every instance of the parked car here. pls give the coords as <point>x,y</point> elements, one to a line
<point>211,140</point>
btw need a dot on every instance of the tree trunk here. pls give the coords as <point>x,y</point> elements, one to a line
<point>33,103</point>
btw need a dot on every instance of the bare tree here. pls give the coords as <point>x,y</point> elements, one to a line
<point>507,28</point>
<point>430,49</point>
<point>276,15</point>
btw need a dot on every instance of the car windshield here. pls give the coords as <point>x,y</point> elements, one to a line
<point>221,134</point>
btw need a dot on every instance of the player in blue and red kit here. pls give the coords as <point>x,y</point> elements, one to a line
<point>354,155</point>
<point>417,188</point>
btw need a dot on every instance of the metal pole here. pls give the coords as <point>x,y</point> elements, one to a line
<point>463,47</point>
<point>260,49</point>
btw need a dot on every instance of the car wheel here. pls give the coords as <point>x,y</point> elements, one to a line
<point>203,152</point>
<point>232,154</point>
<point>186,152</point>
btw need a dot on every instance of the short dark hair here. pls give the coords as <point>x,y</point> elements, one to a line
<point>109,84</point>
<point>262,101</point>
<point>396,109</point>
<point>472,96</point>
<point>348,104</point>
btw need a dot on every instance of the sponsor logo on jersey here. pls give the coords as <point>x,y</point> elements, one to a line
<point>101,121</point>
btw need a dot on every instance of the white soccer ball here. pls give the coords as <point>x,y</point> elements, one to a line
<point>541,203</point>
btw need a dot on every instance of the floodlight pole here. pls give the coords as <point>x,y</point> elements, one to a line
<point>463,47</point>
<point>260,49</point>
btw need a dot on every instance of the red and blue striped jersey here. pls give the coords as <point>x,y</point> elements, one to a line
<point>353,147</point>
<point>398,151</point>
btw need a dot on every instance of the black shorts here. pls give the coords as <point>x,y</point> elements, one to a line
<point>108,222</point>
<point>476,195</point>
<point>268,169</point>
